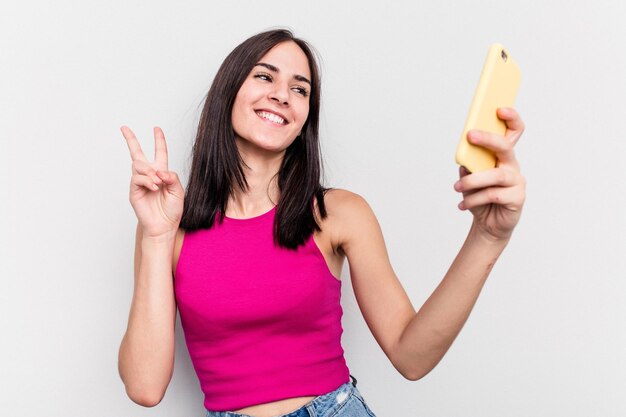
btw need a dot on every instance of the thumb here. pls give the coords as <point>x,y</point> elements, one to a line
<point>168,177</point>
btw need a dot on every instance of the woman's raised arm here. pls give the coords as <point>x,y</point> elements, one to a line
<point>146,355</point>
<point>416,342</point>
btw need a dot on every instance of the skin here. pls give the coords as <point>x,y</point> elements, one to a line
<point>263,143</point>
<point>414,341</point>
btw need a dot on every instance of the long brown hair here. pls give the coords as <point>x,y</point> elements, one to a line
<point>216,161</point>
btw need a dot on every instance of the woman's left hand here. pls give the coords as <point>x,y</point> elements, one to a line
<point>496,196</point>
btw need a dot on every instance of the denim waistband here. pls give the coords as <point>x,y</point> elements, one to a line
<point>322,405</point>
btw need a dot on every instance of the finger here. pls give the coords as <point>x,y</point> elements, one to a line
<point>509,197</point>
<point>136,153</point>
<point>501,147</point>
<point>171,182</point>
<point>168,177</point>
<point>514,124</point>
<point>144,181</point>
<point>144,168</point>
<point>160,149</point>
<point>463,172</point>
<point>496,177</point>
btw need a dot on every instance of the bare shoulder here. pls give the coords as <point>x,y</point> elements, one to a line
<point>178,244</point>
<point>344,204</point>
<point>347,212</point>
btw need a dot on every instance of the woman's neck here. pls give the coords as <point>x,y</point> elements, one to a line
<point>262,193</point>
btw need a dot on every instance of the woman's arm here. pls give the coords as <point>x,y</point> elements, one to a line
<point>430,332</point>
<point>146,355</point>
<point>416,342</point>
<point>495,198</point>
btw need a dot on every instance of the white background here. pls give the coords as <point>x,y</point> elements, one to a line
<point>547,336</point>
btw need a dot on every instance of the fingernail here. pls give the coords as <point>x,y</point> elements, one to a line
<point>457,186</point>
<point>472,134</point>
<point>461,206</point>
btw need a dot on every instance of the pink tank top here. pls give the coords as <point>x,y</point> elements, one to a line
<point>262,323</point>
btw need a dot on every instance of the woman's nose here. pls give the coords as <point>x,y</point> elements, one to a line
<point>280,93</point>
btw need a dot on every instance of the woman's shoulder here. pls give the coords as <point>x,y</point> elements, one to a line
<point>347,211</point>
<point>342,202</point>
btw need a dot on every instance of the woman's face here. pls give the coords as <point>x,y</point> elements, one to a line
<point>273,102</point>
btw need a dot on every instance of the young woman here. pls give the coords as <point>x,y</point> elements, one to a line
<point>251,253</point>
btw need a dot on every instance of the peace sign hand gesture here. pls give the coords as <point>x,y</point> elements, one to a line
<point>156,194</point>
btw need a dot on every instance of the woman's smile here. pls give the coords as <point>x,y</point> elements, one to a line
<point>273,118</point>
<point>277,92</point>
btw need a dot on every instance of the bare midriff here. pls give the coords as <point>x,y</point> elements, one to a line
<point>276,408</point>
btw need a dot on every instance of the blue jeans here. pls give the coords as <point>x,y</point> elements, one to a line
<point>345,401</point>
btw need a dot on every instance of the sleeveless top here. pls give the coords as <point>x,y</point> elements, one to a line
<point>262,323</point>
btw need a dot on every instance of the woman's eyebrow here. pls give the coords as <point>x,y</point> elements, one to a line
<point>275,69</point>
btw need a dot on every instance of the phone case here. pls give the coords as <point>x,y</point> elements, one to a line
<point>498,85</point>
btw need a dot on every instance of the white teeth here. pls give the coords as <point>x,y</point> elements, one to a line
<point>271,117</point>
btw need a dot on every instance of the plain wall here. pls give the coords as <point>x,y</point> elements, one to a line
<point>547,334</point>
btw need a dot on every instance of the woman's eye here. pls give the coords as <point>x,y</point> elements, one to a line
<point>263,76</point>
<point>267,77</point>
<point>301,90</point>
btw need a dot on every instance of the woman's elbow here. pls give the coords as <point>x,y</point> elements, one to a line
<point>415,373</point>
<point>145,397</point>
<point>416,376</point>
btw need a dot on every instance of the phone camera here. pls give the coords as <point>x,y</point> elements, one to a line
<point>504,55</point>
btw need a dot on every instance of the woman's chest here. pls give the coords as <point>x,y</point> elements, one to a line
<point>227,280</point>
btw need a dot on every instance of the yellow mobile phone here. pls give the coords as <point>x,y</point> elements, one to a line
<point>499,81</point>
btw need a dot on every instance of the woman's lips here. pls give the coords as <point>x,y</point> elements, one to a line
<point>272,117</point>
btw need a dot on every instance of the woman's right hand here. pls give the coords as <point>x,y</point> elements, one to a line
<point>156,194</point>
